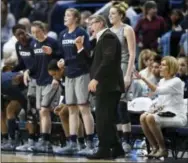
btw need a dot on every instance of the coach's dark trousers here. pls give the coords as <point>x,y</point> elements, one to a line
<point>106,114</point>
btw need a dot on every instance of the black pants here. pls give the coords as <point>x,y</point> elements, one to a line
<point>106,116</point>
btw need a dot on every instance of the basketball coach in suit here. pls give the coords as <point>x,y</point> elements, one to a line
<point>107,85</point>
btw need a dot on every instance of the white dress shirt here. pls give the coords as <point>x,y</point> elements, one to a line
<point>99,34</point>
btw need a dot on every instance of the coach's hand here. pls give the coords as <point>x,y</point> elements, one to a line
<point>92,87</point>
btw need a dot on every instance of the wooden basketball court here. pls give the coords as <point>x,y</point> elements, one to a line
<point>29,157</point>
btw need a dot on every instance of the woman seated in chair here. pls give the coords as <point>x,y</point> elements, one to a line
<point>167,110</point>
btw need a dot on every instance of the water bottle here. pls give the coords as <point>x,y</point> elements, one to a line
<point>145,91</point>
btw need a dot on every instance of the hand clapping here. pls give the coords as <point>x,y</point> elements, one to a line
<point>79,41</point>
<point>47,50</point>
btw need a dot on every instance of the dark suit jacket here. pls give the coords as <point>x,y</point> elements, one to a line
<point>106,65</point>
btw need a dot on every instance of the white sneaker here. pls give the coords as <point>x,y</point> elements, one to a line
<point>88,150</point>
<point>26,146</point>
<point>126,147</point>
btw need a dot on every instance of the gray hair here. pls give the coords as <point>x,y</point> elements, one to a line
<point>100,18</point>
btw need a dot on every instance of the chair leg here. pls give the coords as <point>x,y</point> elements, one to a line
<point>185,145</point>
<point>173,147</point>
<point>182,154</point>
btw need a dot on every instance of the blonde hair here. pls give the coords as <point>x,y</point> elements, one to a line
<point>153,53</point>
<point>145,54</point>
<point>121,8</point>
<point>172,64</point>
<point>75,13</point>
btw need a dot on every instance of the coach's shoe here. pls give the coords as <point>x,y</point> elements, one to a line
<point>42,146</point>
<point>70,149</point>
<point>126,147</point>
<point>9,146</point>
<point>88,150</point>
<point>26,146</point>
<point>102,153</point>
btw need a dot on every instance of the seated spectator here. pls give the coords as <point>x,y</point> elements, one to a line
<point>183,73</point>
<point>145,63</point>
<point>140,89</point>
<point>144,55</point>
<point>167,110</point>
<point>156,69</point>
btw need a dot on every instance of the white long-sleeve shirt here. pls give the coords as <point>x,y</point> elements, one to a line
<point>170,95</point>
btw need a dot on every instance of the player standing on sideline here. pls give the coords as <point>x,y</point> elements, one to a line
<point>76,80</point>
<point>126,35</point>
<point>47,90</point>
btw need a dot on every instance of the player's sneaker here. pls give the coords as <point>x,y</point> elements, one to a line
<point>26,146</point>
<point>70,149</point>
<point>41,146</point>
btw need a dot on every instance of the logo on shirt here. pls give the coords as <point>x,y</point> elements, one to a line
<point>38,51</point>
<point>25,54</point>
<point>68,42</point>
